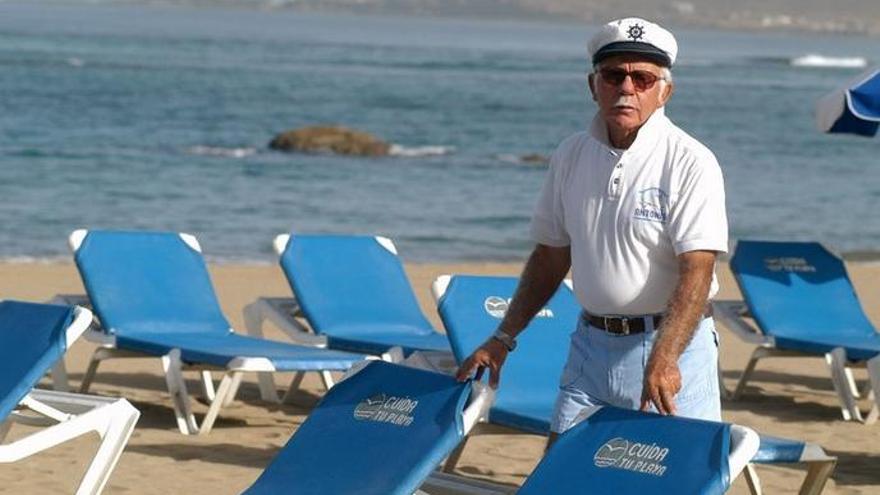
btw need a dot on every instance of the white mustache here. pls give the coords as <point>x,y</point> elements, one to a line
<point>624,101</point>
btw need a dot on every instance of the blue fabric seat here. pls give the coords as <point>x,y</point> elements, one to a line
<point>33,337</point>
<point>471,308</point>
<point>31,340</point>
<point>620,452</point>
<point>354,291</point>
<point>382,431</point>
<point>153,295</point>
<point>802,301</point>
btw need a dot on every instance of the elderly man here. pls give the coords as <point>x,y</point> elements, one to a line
<point>635,207</point>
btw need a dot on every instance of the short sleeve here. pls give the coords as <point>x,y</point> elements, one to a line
<point>698,216</point>
<point>548,222</point>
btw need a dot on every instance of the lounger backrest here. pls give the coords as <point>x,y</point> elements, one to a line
<point>621,452</point>
<point>32,338</point>
<point>381,431</point>
<point>149,282</point>
<point>344,281</point>
<point>471,309</point>
<point>797,289</point>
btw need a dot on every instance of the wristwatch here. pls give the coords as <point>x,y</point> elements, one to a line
<point>505,338</point>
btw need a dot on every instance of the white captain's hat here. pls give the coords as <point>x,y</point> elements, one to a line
<point>633,35</point>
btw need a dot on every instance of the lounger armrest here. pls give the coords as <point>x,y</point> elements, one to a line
<point>744,443</point>
<point>481,400</point>
<point>282,312</point>
<point>733,315</point>
<point>82,320</point>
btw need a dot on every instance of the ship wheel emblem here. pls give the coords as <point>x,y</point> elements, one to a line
<point>636,32</point>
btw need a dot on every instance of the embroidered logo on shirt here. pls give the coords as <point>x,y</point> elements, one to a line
<point>653,205</point>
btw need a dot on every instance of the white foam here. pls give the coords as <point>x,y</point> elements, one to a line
<point>821,61</point>
<point>75,62</point>
<point>417,151</point>
<point>221,152</point>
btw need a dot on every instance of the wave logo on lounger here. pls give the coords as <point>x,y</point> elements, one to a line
<point>626,454</point>
<point>497,307</point>
<point>789,264</point>
<point>653,205</point>
<point>382,408</point>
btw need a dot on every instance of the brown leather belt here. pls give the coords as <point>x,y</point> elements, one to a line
<point>621,325</point>
<point>628,325</point>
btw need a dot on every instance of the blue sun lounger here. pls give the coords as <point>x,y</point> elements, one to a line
<point>32,338</point>
<point>802,303</point>
<point>471,308</point>
<point>381,431</point>
<point>621,452</point>
<point>153,296</point>
<point>354,295</point>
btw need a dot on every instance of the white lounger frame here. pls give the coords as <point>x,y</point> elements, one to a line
<point>173,367</point>
<point>68,416</point>
<point>819,468</point>
<point>735,316</point>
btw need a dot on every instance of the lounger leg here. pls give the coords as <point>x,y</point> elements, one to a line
<point>327,379</point>
<point>222,391</point>
<point>752,479</point>
<point>253,321</point>
<point>873,366</point>
<point>758,353</point>
<point>59,377</point>
<point>233,389</point>
<point>207,385</point>
<point>294,386</point>
<point>817,476</point>
<point>186,422</point>
<point>836,361</point>
<point>454,456</point>
<point>4,429</point>
<point>851,382</point>
<point>119,419</point>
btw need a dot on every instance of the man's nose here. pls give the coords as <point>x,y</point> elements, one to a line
<point>627,87</point>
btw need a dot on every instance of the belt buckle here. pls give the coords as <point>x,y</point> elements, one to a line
<point>624,326</point>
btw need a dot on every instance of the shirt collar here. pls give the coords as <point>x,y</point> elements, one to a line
<point>648,133</point>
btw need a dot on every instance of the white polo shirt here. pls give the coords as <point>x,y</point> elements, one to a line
<point>627,214</point>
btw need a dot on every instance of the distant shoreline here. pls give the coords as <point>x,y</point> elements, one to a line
<point>675,14</point>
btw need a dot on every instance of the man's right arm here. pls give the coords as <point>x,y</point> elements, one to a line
<point>544,271</point>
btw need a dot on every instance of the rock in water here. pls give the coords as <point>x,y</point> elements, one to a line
<point>339,140</point>
<point>534,158</point>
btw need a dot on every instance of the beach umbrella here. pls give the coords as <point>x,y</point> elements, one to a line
<point>853,108</point>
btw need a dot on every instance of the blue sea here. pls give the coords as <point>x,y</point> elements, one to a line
<point>147,117</point>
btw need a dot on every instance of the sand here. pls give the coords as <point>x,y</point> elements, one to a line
<point>788,397</point>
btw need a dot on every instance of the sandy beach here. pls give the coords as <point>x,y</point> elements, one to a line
<point>791,398</point>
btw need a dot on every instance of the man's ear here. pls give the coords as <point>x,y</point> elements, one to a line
<point>591,82</point>
<point>668,89</point>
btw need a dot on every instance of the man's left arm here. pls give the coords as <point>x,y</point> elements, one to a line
<point>662,379</point>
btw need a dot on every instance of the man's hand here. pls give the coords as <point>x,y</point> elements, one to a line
<point>662,383</point>
<point>662,377</point>
<point>489,355</point>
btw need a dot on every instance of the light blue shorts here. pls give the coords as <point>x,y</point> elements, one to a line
<point>604,369</point>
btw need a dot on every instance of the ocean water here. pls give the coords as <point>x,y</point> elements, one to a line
<point>144,117</point>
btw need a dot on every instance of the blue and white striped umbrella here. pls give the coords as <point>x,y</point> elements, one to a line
<point>853,108</point>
